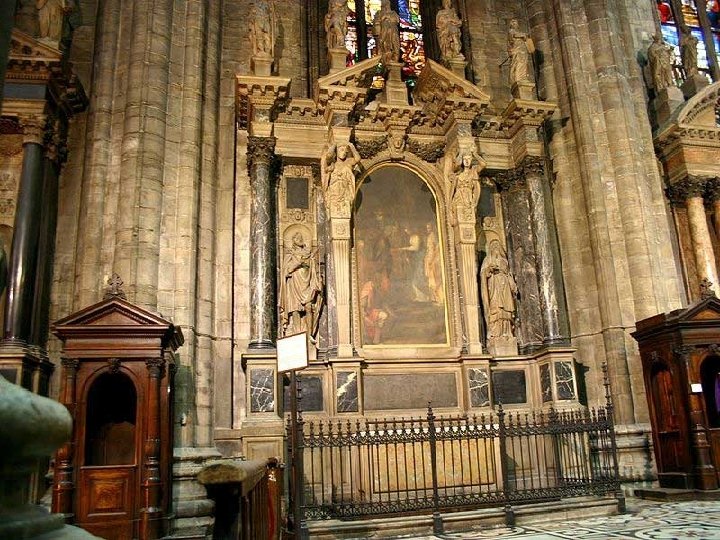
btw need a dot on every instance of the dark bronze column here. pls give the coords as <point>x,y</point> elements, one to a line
<point>23,261</point>
<point>263,259</point>
<point>550,286</point>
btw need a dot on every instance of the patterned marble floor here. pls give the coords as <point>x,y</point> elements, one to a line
<point>645,520</point>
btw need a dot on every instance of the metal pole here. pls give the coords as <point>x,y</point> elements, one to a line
<point>509,513</point>
<point>613,442</point>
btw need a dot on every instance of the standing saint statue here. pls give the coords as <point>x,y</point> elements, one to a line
<point>51,15</point>
<point>387,34</point>
<point>448,26</point>
<point>498,289</point>
<point>466,189</point>
<point>337,169</point>
<point>520,47</point>
<point>688,51</point>
<point>660,60</point>
<point>262,28</point>
<point>336,25</point>
<point>301,296</point>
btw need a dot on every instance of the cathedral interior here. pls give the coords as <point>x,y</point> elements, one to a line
<point>464,204</point>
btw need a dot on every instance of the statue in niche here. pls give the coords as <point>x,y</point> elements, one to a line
<point>448,26</point>
<point>498,289</point>
<point>337,169</point>
<point>301,296</point>
<point>466,185</point>
<point>688,51</point>
<point>660,60</point>
<point>520,47</point>
<point>51,16</point>
<point>336,25</point>
<point>387,35</point>
<point>262,28</point>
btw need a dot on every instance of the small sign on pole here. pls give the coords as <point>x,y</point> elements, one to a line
<point>292,352</point>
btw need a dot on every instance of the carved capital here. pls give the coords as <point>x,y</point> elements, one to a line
<point>714,349</point>
<point>260,151</point>
<point>533,165</point>
<point>690,186</point>
<point>33,127</point>
<point>712,190</point>
<point>510,180</point>
<point>70,364</point>
<point>155,367</point>
<point>683,352</point>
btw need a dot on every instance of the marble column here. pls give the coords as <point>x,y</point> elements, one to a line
<point>24,256</point>
<point>550,285</point>
<point>713,196</point>
<point>691,191</point>
<point>263,258</point>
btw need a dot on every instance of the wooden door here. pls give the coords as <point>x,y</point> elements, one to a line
<point>671,445</point>
<point>107,501</point>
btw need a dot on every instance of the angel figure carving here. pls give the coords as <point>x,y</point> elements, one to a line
<point>387,34</point>
<point>301,289</point>
<point>466,185</point>
<point>337,169</point>
<point>448,26</point>
<point>520,48</point>
<point>336,25</point>
<point>262,28</point>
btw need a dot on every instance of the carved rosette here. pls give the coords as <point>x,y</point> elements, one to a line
<point>691,186</point>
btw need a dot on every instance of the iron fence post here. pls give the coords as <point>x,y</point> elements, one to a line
<point>609,408</point>
<point>432,436</point>
<point>502,435</point>
<point>555,437</point>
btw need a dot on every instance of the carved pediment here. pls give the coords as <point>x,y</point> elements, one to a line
<point>705,310</point>
<point>696,122</point>
<point>30,59</point>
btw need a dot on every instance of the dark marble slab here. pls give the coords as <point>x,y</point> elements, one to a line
<point>545,383</point>
<point>564,380</point>
<point>346,391</point>
<point>297,193</point>
<point>509,387</point>
<point>311,394</point>
<point>409,391</point>
<point>479,385</point>
<point>262,390</point>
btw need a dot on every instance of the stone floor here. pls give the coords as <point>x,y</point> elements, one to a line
<point>646,520</point>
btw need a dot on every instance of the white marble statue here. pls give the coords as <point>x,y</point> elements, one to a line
<point>262,28</point>
<point>301,289</point>
<point>448,26</point>
<point>51,15</point>
<point>520,47</point>
<point>336,25</point>
<point>688,51</point>
<point>337,169</point>
<point>498,290</point>
<point>660,60</point>
<point>466,185</point>
<point>387,33</point>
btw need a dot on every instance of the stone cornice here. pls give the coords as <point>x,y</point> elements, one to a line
<point>259,98</point>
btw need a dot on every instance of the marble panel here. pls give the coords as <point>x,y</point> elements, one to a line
<point>311,394</point>
<point>409,391</point>
<point>479,385</point>
<point>262,390</point>
<point>564,379</point>
<point>509,387</point>
<point>546,383</point>
<point>346,391</point>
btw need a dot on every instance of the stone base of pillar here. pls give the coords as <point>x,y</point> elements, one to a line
<point>261,66</point>
<point>523,90</point>
<point>192,510</point>
<point>666,102</point>
<point>635,454</point>
<point>457,66</point>
<point>337,59</point>
<point>263,439</point>
<point>503,346</point>
<point>26,366</point>
<point>693,85</point>
<point>395,89</point>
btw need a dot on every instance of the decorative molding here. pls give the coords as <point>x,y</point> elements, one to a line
<point>370,147</point>
<point>113,365</point>
<point>430,151</point>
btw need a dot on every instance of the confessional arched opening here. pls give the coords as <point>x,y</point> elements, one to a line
<point>710,378</point>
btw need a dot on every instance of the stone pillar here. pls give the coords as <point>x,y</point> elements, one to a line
<point>23,261</point>
<point>263,258</point>
<point>550,285</point>
<point>151,512</point>
<point>340,231</point>
<point>690,191</point>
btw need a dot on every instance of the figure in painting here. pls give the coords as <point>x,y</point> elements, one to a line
<point>520,47</point>
<point>51,15</point>
<point>336,25</point>
<point>660,60</point>
<point>374,316</point>
<point>688,51</point>
<point>301,296</point>
<point>466,189</point>
<point>387,34</point>
<point>431,265</point>
<point>337,168</point>
<point>498,289</point>
<point>448,26</point>
<point>262,28</point>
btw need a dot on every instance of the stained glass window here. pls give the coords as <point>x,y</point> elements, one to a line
<point>412,47</point>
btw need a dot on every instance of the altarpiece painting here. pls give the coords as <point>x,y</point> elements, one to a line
<point>400,269</point>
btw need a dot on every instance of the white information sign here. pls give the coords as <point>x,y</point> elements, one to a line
<point>292,352</point>
<point>696,388</point>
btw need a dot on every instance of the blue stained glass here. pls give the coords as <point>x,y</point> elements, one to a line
<point>404,11</point>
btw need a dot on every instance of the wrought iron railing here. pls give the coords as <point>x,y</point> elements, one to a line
<point>360,468</point>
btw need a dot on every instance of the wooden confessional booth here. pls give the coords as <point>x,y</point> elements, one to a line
<point>114,477</point>
<point>680,354</point>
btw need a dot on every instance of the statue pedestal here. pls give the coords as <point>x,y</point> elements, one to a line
<point>693,85</point>
<point>337,59</point>
<point>395,89</point>
<point>261,65</point>
<point>523,90</point>
<point>666,101</point>
<point>503,346</point>
<point>457,65</point>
